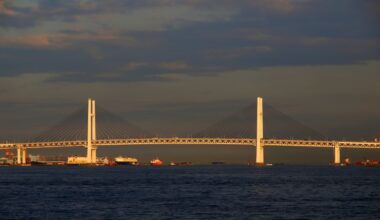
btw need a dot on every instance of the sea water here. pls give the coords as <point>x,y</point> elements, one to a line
<point>190,192</point>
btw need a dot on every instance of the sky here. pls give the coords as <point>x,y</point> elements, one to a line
<point>175,67</point>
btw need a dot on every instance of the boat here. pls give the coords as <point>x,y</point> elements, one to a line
<point>76,160</point>
<point>369,163</point>
<point>217,163</point>
<point>156,162</point>
<point>126,161</point>
<point>185,163</point>
<point>38,163</point>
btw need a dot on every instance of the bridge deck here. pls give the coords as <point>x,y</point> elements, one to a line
<point>196,141</point>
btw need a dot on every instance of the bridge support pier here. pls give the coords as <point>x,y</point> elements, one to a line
<point>18,155</point>
<point>260,133</point>
<point>93,154</point>
<point>91,132</point>
<point>336,154</point>
<point>23,155</point>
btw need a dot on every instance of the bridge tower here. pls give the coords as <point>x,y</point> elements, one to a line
<point>91,132</point>
<point>260,133</point>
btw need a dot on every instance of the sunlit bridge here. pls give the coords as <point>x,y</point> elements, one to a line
<point>93,127</point>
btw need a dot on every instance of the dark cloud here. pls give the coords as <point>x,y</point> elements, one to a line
<point>261,34</point>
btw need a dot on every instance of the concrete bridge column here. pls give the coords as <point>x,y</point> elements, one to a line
<point>93,154</point>
<point>23,155</point>
<point>18,155</point>
<point>91,132</point>
<point>336,154</point>
<point>259,133</point>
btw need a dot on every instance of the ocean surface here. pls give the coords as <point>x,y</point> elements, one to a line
<point>194,192</point>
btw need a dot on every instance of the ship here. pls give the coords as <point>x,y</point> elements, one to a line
<point>180,163</point>
<point>76,160</point>
<point>369,163</point>
<point>218,163</point>
<point>156,162</point>
<point>126,161</point>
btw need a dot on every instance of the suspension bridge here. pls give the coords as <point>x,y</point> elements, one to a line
<point>130,135</point>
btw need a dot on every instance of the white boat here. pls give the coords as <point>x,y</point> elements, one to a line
<point>126,161</point>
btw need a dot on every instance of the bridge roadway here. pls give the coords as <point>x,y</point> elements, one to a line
<point>195,141</point>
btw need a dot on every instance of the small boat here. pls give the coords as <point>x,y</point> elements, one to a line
<point>156,162</point>
<point>126,161</point>
<point>369,163</point>
<point>217,163</point>
<point>38,163</point>
<point>185,163</point>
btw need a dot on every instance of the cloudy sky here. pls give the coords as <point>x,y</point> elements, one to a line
<point>164,63</point>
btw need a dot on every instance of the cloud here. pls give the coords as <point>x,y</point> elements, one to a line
<point>159,18</point>
<point>121,15</point>
<point>34,41</point>
<point>132,66</point>
<point>235,53</point>
<point>59,40</point>
<point>213,97</point>
<point>5,10</point>
<point>146,40</point>
<point>373,7</point>
<point>174,65</point>
<point>316,40</point>
<point>280,6</point>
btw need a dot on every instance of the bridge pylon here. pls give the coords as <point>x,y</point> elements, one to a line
<point>91,132</point>
<point>260,133</point>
